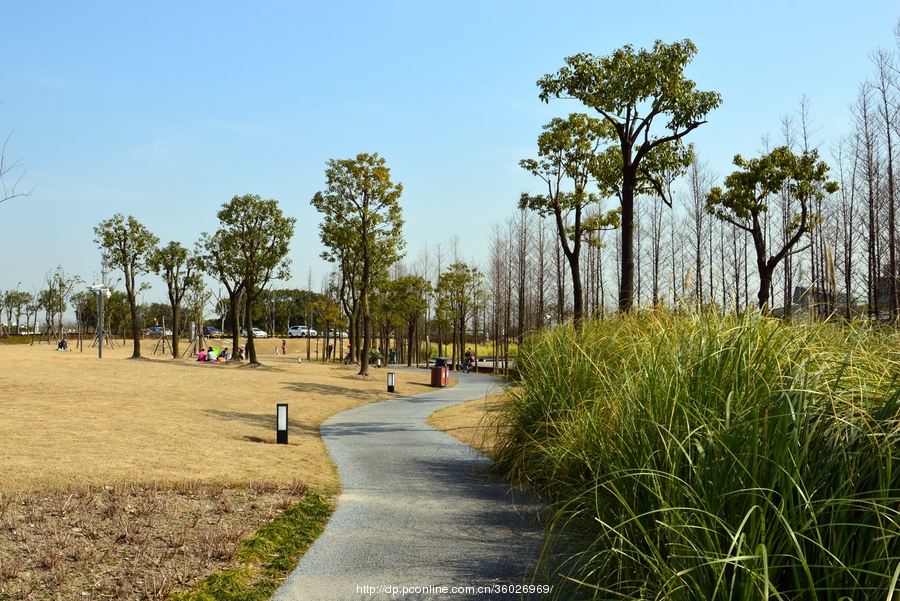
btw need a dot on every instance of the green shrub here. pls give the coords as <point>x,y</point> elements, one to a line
<point>706,457</point>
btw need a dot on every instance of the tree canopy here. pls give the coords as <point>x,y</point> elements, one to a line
<point>458,292</point>
<point>748,189</point>
<point>362,219</point>
<point>128,245</point>
<point>180,271</point>
<point>253,238</point>
<point>408,296</point>
<point>568,151</point>
<point>630,90</point>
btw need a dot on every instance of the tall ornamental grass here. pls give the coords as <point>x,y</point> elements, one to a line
<point>708,457</point>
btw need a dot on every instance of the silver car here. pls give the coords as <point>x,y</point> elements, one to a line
<point>301,332</point>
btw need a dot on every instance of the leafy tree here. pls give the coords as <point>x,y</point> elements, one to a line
<point>568,149</point>
<point>252,240</point>
<point>27,307</point>
<point>631,90</point>
<point>14,302</point>
<point>85,305</point>
<point>47,301</point>
<point>362,217</point>
<point>456,289</point>
<point>117,313</point>
<point>223,265</point>
<point>181,272</point>
<point>194,303</point>
<point>128,245</point>
<point>331,316</point>
<point>408,296</point>
<point>745,199</point>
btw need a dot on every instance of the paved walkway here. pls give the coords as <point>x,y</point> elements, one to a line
<point>417,510</point>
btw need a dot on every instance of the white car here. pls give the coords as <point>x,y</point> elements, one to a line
<point>336,334</point>
<point>257,333</point>
<point>301,332</point>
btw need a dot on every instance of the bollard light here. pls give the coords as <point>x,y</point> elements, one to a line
<point>282,425</point>
<point>390,381</point>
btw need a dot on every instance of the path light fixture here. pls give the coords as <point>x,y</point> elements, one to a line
<point>282,424</point>
<point>390,381</point>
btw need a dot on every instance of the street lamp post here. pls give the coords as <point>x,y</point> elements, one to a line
<point>100,291</point>
<point>18,315</point>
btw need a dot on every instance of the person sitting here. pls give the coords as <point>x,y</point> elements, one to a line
<point>210,354</point>
<point>223,356</point>
<point>63,345</point>
<point>201,356</point>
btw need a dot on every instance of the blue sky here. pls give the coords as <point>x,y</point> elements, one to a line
<point>166,110</point>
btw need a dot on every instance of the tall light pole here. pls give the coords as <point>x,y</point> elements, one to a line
<point>18,315</point>
<point>100,291</point>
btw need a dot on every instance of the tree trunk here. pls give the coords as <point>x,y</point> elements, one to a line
<point>626,284</point>
<point>367,326</point>
<point>135,326</point>
<point>248,323</point>
<point>765,284</point>
<point>234,299</point>
<point>175,315</point>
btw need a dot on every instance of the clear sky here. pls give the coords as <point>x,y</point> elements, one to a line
<point>165,110</point>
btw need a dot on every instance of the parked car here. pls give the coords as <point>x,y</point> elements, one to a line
<point>212,331</point>
<point>301,332</point>
<point>158,331</point>
<point>257,333</point>
<point>336,334</point>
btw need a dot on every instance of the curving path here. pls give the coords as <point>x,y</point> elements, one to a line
<point>416,511</point>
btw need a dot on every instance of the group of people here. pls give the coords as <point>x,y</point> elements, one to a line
<point>212,354</point>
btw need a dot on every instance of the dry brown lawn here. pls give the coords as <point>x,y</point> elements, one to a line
<point>69,418</point>
<point>131,479</point>
<point>473,423</point>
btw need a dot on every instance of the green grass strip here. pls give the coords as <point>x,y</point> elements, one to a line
<point>267,557</point>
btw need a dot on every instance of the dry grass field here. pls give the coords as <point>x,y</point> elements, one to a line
<point>134,479</point>
<point>69,418</point>
<point>473,423</point>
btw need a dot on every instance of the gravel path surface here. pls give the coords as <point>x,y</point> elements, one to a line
<point>418,517</point>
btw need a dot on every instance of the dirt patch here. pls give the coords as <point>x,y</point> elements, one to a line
<point>128,541</point>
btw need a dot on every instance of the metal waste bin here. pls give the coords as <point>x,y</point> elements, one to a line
<point>440,373</point>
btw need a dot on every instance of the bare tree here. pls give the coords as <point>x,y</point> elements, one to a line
<point>885,85</point>
<point>10,183</point>
<point>700,180</point>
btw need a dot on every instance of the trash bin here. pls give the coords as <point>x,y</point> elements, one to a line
<point>440,373</point>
